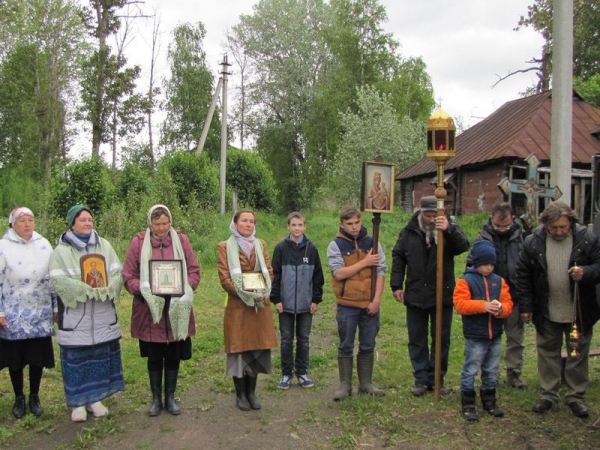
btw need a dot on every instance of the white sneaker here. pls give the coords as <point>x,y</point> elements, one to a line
<point>98,409</point>
<point>79,414</point>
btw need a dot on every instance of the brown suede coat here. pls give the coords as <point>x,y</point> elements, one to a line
<point>245,328</point>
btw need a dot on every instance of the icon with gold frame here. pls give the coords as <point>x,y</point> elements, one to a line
<point>377,187</point>
<point>253,281</point>
<point>93,270</point>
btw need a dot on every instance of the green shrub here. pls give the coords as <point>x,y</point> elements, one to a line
<point>87,181</point>
<point>250,177</point>
<point>192,176</point>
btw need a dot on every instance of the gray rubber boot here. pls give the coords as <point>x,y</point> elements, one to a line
<point>364,367</point>
<point>345,368</point>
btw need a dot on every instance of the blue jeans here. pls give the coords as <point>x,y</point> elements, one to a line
<point>302,324</point>
<point>348,320</point>
<point>421,323</point>
<point>481,354</point>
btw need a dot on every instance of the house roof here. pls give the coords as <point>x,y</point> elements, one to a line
<point>517,129</point>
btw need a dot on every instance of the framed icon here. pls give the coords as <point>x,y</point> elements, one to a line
<point>377,187</point>
<point>93,270</point>
<point>166,277</point>
<point>253,281</point>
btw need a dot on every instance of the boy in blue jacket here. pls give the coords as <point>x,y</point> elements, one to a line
<point>483,299</point>
<point>296,291</point>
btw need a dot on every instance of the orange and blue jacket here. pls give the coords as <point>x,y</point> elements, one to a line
<point>471,293</point>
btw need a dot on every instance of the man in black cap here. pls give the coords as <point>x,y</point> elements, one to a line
<point>413,282</point>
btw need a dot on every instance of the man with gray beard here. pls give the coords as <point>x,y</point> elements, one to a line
<point>413,282</point>
<point>558,254</point>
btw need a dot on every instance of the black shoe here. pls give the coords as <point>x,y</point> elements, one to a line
<point>19,409</point>
<point>579,410</point>
<point>34,405</point>
<point>420,390</point>
<point>543,406</point>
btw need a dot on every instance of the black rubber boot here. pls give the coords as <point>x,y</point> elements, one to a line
<point>241,400</point>
<point>156,388</point>
<point>345,368</point>
<point>34,405</point>
<point>488,400</point>
<point>251,391</point>
<point>19,408</point>
<point>170,386</point>
<point>469,410</point>
<point>364,367</point>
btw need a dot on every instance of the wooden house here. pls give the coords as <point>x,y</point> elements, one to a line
<point>496,148</point>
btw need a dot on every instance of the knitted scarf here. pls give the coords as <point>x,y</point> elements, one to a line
<point>235,272</point>
<point>180,308</point>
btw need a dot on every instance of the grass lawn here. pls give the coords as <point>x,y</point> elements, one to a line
<point>398,420</point>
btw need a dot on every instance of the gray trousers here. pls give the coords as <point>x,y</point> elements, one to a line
<point>514,328</point>
<point>549,346</point>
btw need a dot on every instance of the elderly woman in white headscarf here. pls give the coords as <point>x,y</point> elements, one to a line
<point>163,323</point>
<point>26,308</point>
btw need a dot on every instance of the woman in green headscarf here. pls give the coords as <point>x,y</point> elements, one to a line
<point>88,332</point>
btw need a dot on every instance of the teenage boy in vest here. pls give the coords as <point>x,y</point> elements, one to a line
<point>296,291</point>
<point>351,260</point>
<point>483,299</point>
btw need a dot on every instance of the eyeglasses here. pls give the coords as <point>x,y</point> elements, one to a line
<point>500,227</point>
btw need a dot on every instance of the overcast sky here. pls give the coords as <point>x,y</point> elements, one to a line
<point>466,44</point>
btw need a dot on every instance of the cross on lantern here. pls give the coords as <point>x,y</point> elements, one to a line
<point>530,188</point>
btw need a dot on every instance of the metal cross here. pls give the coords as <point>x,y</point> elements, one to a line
<point>530,188</point>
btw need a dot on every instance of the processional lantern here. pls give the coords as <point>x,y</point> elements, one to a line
<point>440,149</point>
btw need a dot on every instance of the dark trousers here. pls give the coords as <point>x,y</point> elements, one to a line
<point>298,326</point>
<point>421,325</point>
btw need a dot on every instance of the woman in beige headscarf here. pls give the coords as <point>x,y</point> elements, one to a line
<point>248,322</point>
<point>163,324</point>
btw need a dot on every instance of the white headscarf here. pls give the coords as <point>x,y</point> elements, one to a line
<point>18,212</point>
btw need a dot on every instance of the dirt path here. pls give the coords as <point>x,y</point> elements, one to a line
<point>211,420</point>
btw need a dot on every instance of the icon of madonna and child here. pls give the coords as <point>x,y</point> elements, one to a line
<point>379,195</point>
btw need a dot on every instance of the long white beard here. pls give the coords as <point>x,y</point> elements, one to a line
<point>429,230</point>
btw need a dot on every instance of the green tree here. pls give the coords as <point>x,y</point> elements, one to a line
<point>41,42</point>
<point>590,89</point>
<point>375,127</point>
<point>285,51</point>
<point>305,60</point>
<point>107,88</point>
<point>586,43</point>
<point>188,92</point>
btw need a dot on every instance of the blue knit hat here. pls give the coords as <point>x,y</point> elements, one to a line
<point>483,252</point>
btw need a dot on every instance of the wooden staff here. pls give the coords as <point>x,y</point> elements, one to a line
<point>376,222</point>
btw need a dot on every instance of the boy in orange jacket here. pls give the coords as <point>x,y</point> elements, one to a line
<point>483,299</point>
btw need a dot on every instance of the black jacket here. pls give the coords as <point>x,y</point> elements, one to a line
<point>508,248</point>
<point>297,275</point>
<point>532,276</point>
<point>412,259</point>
